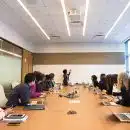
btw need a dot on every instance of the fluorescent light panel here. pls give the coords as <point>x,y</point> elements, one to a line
<point>85,16</point>
<point>65,16</point>
<point>11,53</point>
<point>34,20</point>
<point>118,19</point>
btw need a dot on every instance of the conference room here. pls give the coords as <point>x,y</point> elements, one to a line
<point>64,64</point>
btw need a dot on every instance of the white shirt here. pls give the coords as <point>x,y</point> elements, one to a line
<point>2,114</point>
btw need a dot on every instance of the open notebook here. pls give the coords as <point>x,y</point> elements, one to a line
<point>123,117</point>
<point>109,103</point>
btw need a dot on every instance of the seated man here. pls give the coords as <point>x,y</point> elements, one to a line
<point>3,113</point>
<point>20,95</point>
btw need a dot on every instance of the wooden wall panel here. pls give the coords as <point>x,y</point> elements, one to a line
<point>79,58</point>
<point>26,63</point>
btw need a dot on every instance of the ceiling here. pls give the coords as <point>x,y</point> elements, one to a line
<point>101,16</point>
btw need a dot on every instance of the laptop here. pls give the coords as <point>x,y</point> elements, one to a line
<point>15,118</point>
<point>34,107</point>
<point>123,117</point>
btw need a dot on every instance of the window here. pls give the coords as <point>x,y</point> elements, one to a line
<point>127,56</point>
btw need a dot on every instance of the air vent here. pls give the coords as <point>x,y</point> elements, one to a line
<point>98,37</point>
<point>54,37</point>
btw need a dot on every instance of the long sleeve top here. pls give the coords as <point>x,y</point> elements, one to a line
<point>19,96</point>
<point>2,114</point>
<point>33,93</point>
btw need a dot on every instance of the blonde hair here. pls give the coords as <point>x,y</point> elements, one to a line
<point>122,77</point>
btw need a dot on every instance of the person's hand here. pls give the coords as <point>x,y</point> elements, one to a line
<point>43,95</point>
<point>8,111</point>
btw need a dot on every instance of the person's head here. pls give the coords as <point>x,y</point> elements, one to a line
<point>39,77</point>
<point>65,71</point>
<point>43,77</point>
<point>52,75</point>
<point>94,78</point>
<point>29,79</point>
<point>122,79</point>
<point>114,78</point>
<point>47,77</point>
<point>102,77</point>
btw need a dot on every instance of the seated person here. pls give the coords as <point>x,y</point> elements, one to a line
<point>94,81</point>
<point>109,83</point>
<point>33,93</point>
<point>47,83</point>
<point>102,82</point>
<point>125,93</point>
<point>52,75</point>
<point>20,95</point>
<point>5,112</point>
<point>40,82</point>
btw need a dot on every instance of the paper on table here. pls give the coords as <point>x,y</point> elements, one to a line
<point>74,101</point>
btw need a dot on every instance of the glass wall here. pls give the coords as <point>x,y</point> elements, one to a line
<point>10,63</point>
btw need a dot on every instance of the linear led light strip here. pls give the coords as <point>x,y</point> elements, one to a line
<point>11,53</point>
<point>65,16</point>
<point>34,20</point>
<point>118,19</point>
<point>85,16</point>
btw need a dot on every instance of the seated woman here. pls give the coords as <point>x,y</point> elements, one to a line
<point>47,84</point>
<point>33,93</point>
<point>125,93</point>
<point>52,75</point>
<point>40,82</point>
<point>109,84</point>
<point>117,88</point>
<point>5,112</point>
<point>102,82</point>
<point>94,81</point>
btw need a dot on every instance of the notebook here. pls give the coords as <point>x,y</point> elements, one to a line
<point>123,117</point>
<point>15,118</point>
<point>109,103</point>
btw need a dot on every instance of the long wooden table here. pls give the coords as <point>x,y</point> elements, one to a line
<point>91,115</point>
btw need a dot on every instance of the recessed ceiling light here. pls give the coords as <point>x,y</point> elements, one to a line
<point>65,16</point>
<point>32,17</point>
<point>118,19</point>
<point>85,17</point>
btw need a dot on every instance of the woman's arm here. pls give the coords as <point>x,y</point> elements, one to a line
<point>2,114</point>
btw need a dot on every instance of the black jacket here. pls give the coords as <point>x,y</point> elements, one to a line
<point>125,96</point>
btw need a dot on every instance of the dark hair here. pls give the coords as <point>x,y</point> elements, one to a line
<point>114,78</point>
<point>29,78</point>
<point>102,76</point>
<point>52,75</point>
<point>47,77</point>
<point>94,77</point>
<point>65,71</point>
<point>39,77</point>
